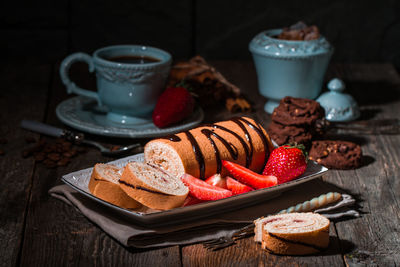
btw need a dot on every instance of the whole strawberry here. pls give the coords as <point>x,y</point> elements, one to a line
<point>286,162</point>
<point>174,105</point>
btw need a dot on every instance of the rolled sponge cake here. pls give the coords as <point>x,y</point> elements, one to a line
<point>152,186</point>
<point>104,184</point>
<point>199,151</point>
<point>293,233</point>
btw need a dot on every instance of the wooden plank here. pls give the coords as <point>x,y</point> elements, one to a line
<point>65,237</point>
<point>375,236</point>
<point>23,94</point>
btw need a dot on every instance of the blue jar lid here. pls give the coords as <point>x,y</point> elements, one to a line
<point>338,105</point>
<point>265,44</point>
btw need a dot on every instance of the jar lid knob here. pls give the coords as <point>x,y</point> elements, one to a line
<point>336,85</point>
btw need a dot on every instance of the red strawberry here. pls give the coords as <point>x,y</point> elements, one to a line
<point>174,105</point>
<point>248,177</point>
<point>217,180</point>
<point>191,201</point>
<point>203,191</point>
<point>286,163</point>
<point>237,187</point>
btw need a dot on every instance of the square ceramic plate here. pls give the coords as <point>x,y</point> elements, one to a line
<point>79,181</point>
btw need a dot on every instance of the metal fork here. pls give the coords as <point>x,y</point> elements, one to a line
<point>228,240</point>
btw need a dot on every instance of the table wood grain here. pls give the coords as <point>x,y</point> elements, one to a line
<point>38,230</point>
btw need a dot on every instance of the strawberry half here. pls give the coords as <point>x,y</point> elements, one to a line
<point>189,201</point>
<point>286,162</point>
<point>237,187</point>
<point>203,191</point>
<point>173,105</point>
<point>217,180</point>
<point>248,177</point>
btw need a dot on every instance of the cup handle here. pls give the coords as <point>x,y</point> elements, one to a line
<point>71,86</point>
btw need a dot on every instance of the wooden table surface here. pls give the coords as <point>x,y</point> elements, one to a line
<point>38,230</point>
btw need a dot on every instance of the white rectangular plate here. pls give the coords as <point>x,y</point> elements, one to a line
<point>79,180</point>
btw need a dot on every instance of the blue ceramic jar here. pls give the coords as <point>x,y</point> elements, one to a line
<point>289,68</point>
<point>338,105</point>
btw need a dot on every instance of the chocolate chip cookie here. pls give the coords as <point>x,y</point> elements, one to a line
<point>341,155</point>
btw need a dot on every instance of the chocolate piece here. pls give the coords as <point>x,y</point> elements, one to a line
<point>342,155</point>
<point>300,32</point>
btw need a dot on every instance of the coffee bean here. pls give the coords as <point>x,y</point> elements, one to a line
<point>81,150</point>
<point>63,161</point>
<point>39,156</point>
<point>25,153</point>
<point>68,154</point>
<point>73,152</point>
<point>30,139</point>
<point>48,149</point>
<point>66,146</point>
<point>54,156</point>
<point>49,163</point>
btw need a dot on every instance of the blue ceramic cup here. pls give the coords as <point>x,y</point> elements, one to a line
<point>130,78</point>
<point>289,68</point>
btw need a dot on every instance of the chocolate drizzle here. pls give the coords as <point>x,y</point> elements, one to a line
<point>232,149</point>
<point>258,130</point>
<point>197,152</point>
<point>141,188</point>
<point>245,146</point>
<point>172,138</point>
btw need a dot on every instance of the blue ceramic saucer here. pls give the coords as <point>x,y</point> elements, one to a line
<point>83,113</point>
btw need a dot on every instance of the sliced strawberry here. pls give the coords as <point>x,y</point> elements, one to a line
<point>191,201</point>
<point>203,191</point>
<point>237,187</point>
<point>248,177</point>
<point>217,180</point>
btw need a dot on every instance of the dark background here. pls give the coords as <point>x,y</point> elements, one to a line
<point>48,30</point>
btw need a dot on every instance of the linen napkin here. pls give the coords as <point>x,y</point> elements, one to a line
<point>130,234</point>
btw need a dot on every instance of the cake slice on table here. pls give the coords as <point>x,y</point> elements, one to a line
<point>293,233</point>
<point>104,184</point>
